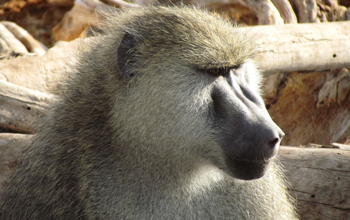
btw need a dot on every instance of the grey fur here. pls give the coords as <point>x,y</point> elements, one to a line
<point>143,135</point>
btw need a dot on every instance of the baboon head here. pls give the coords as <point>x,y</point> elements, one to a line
<point>188,86</point>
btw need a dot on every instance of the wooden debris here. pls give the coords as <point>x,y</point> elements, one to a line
<point>297,113</point>
<point>9,42</point>
<point>306,11</point>
<point>44,73</point>
<point>341,146</point>
<point>335,90</point>
<point>83,14</point>
<point>285,9</point>
<point>265,11</point>
<point>20,107</point>
<point>25,38</point>
<point>120,4</point>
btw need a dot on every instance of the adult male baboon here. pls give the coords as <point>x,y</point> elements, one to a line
<point>162,120</point>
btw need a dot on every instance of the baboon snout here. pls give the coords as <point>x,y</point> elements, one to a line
<point>248,136</point>
<point>249,153</point>
<point>267,138</point>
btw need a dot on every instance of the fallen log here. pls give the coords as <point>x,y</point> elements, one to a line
<point>303,47</point>
<point>21,107</point>
<point>320,181</point>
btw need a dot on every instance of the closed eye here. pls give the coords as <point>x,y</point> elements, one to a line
<point>219,71</point>
<point>237,66</point>
<point>222,71</point>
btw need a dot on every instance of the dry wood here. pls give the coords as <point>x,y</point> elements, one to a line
<point>341,146</point>
<point>26,39</point>
<point>264,10</point>
<point>309,47</point>
<point>120,4</point>
<point>286,11</point>
<point>11,41</point>
<point>83,14</point>
<point>307,11</point>
<point>320,181</point>
<point>335,89</point>
<point>21,107</point>
<point>297,114</point>
<point>44,73</point>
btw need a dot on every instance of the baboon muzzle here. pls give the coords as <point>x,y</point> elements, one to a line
<point>248,136</point>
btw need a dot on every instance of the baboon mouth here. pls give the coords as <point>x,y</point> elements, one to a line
<point>261,161</point>
<point>248,169</point>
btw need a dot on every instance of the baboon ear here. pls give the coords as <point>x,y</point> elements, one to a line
<point>126,55</point>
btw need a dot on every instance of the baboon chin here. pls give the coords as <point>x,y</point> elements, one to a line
<point>247,170</point>
<point>161,119</point>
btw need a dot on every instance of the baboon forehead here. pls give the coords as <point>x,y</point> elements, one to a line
<point>189,33</point>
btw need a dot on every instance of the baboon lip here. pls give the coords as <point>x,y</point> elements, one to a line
<point>247,169</point>
<point>257,161</point>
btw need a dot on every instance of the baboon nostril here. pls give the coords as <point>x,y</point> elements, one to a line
<point>281,135</point>
<point>274,142</point>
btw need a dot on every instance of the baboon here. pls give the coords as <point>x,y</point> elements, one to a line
<point>161,119</point>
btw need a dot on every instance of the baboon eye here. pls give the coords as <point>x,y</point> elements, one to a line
<point>237,66</point>
<point>220,71</point>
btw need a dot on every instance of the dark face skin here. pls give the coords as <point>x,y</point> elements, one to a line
<point>246,133</point>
